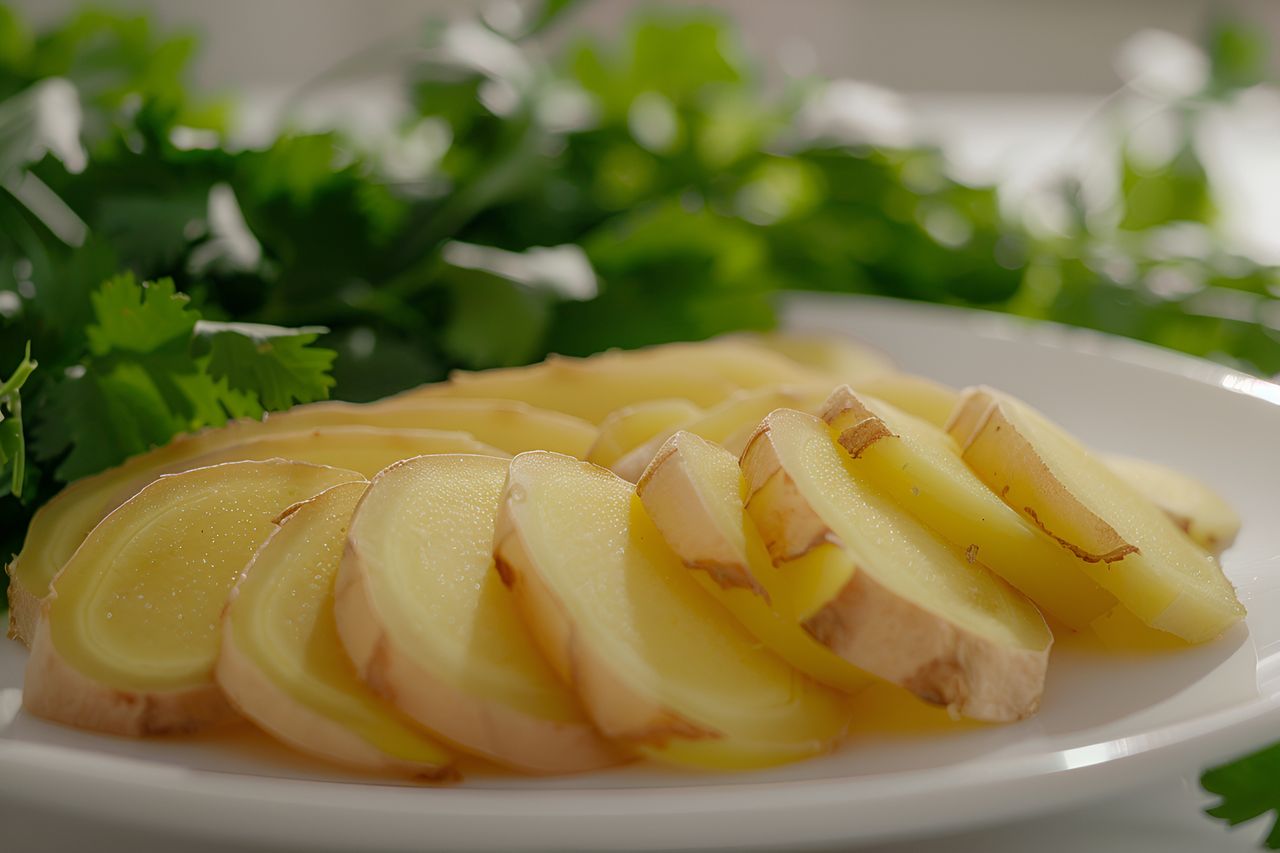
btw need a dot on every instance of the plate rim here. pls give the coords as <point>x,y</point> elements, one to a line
<point>994,324</point>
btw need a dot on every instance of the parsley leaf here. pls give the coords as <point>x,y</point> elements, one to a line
<point>279,365</point>
<point>154,369</point>
<point>1249,788</point>
<point>102,417</point>
<point>139,318</point>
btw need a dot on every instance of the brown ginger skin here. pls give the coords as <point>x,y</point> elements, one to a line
<point>883,632</point>
<point>993,443</point>
<point>55,690</point>
<point>699,549</point>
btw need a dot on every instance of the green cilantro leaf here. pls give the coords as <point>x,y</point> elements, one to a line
<point>103,417</point>
<point>149,326</point>
<point>278,364</point>
<point>139,318</point>
<point>155,369</point>
<point>1249,788</point>
<point>134,390</point>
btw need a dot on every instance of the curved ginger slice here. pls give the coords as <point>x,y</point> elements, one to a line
<point>128,637</point>
<point>365,450</point>
<point>509,425</point>
<point>60,525</point>
<point>919,466</point>
<point>660,666</point>
<point>281,663</point>
<point>694,493</point>
<point>703,373</point>
<point>837,356</point>
<point>1124,541</point>
<point>631,426</point>
<point>587,388</point>
<point>730,423</point>
<point>915,612</point>
<point>1200,511</point>
<point>430,628</point>
<point>917,396</point>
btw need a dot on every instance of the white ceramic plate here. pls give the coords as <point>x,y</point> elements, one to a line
<point>1107,722</point>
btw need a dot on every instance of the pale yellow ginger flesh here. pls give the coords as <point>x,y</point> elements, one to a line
<point>694,492</point>
<point>1197,509</point>
<point>744,363</point>
<point>919,466</point>
<point>916,611</point>
<point>627,428</point>
<point>128,639</point>
<point>659,665</point>
<point>730,423</point>
<point>1200,511</point>
<point>60,525</point>
<point>591,388</point>
<point>509,425</point>
<point>365,450</point>
<point>586,388</point>
<point>836,356</point>
<point>430,627</point>
<point>917,396</point>
<point>282,665</point>
<point>1127,544</point>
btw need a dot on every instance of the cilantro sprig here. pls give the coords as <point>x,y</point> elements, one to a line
<point>153,369</point>
<point>272,366</point>
<point>1249,788</point>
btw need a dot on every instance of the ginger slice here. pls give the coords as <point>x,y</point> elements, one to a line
<point>282,665</point>
<point>694,492</point>
<point>425,618</point>
<point>1127,544</point>
<point>128,637</point>
<point>660,666</point>
<point>916,611</point>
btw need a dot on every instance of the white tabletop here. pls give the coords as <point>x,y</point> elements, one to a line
<point>1164,819</point>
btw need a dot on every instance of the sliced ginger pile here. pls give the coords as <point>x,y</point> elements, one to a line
<point>698,554</point>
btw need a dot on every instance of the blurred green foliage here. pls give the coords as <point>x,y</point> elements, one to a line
<point>620,193</point>
<point>1247,790</point>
